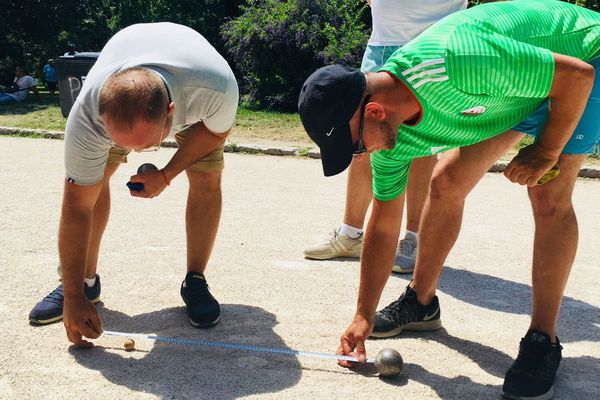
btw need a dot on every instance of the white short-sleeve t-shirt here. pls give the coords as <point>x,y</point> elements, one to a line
<point>24,83</point>
<point>397,22</point>
<point>198,78</point>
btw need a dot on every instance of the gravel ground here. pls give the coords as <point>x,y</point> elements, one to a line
<point>271,296</point>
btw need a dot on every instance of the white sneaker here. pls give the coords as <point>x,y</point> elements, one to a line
<point>337,245</point>
<point>406,256</point>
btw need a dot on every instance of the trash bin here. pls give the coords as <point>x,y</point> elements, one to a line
<point>71,72</point>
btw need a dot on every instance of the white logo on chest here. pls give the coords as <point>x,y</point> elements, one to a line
<point>473,111</point>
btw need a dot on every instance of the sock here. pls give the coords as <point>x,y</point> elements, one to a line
<point>410,235</point>
<point>90,282</point>
<point>350,231</point>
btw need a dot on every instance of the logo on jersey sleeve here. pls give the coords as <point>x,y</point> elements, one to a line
<point>438,149</point>
<point>473,111</point>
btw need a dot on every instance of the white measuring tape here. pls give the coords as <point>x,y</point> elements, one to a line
<point>235,346</point>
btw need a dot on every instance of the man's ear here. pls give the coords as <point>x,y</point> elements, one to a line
<point>375,110</point>
<point>171,108</point>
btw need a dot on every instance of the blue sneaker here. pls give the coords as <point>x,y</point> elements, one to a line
<point>203,309</point>
<point>50,309</point>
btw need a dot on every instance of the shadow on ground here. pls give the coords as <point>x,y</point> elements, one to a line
<point>579,321</point>
<point>193,372</point>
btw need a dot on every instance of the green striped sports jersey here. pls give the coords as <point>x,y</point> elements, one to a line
<point>478,73</point>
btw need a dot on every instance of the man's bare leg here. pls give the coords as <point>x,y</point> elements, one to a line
<point>359,192</point>
<point>453,178</point>
<point>556,237</point>
<point>417,190</point>
<point>100,217</point>
<point>346,241</point>
<point>202,217</point>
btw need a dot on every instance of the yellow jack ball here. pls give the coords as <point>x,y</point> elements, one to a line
<point>129,344</point>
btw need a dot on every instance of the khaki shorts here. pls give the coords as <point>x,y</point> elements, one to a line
<point>211,162</point>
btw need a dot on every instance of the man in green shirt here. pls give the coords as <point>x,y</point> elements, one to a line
<point>469,86</point>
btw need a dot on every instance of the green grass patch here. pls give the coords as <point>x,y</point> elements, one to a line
<point>250,124</point>
<point>32,113</point>
<point>264,125</point>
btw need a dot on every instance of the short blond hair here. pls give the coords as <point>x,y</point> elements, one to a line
<point>133,94</point>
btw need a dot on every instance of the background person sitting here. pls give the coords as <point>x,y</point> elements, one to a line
<point>19,89</point>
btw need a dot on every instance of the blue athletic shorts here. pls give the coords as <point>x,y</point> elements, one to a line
<point>586,137</point>
<point>376,56</point>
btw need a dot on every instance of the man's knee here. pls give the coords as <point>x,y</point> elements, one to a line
<point>206,183</point>
<point>549,203</point>
<point>446,184</point>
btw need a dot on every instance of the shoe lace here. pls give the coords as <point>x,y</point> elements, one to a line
<point>533,357</point>
<point>56,296</point>
<point>407,246</point>
<point>401,311</point>
<point>333,236</point>
<point>197,293</point>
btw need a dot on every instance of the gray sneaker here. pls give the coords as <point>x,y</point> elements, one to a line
<point>337,245</point>
<point>406,257</point>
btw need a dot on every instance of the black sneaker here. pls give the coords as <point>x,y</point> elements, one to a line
<point>50,309</point>
<point>203,309</point>
<point>531,377</point>
<point>408,314</point>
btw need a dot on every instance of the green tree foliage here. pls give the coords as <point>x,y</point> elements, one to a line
<point>205,16</point>
<point>273,45</point>
<point>37,30</point>
<point>276,44</point>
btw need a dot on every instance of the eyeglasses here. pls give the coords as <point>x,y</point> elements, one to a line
<point>151,148</point>
<point>359,147</point>
<point>156,146</point>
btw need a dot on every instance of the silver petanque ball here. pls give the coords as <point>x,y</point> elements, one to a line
<point>145,168</point>
<point>389,363</point>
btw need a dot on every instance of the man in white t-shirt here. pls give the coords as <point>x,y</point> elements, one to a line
<point>395,23</point>
<point>20,88</point>
<point>150,81</point>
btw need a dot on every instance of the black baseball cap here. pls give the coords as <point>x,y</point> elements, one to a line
<point>328,99</point>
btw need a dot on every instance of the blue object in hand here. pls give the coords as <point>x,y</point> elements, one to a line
<point>135,186</point>
<point>143,169</point>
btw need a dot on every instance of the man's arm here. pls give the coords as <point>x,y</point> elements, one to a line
<point>571,86</point>
<point>199,143</point>
<point>377,259</point>
<point>80,316</point>
<point>35,91</point>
